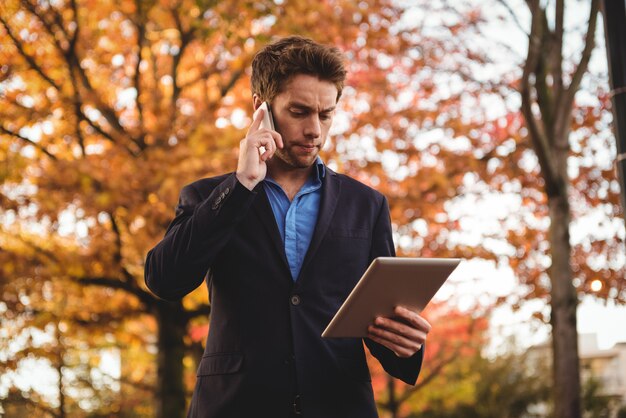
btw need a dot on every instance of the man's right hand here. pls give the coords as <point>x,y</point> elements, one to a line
<point>251,167</point>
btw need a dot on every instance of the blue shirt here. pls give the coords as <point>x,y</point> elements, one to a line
<point>296,219</point>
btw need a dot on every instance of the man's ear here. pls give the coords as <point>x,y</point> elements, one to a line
<point>256,101</point>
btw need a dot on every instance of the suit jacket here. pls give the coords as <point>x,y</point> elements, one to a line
<point>264,345</point>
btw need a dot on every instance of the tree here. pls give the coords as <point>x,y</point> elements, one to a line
<point>502,387</point>
<point>542,158</point>
<point>452,344</point>
<point>547,104</point>
<point>460,379</point>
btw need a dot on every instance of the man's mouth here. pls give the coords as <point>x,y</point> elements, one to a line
<point>306,147</point>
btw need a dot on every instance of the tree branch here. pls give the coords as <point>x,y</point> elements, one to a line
<point>224,89</point>
<point>118,251</point>
<point>96,127</point>
<point>557,53</point>
<point>58,19</point>
<point>545,100</point>
<point>185,38</point>
<point>77,118</point>
<point>77,99</point>
<point>106,111</point>
<point>73,61</point>
<point>203,310</point>
<point>146,298</point>
<point>434,372</point>
<point>41,16</point>
<point>74,37</point>
<point>17,399</point>
<point>565,106</point>
<point>202,76</point>
<point>513,16</point>
<point>32,8</point>
<point>141,31</point>
<point>538,137</point>
<point>133,383</point>
<point>29,141</point>
<point>29,59</point>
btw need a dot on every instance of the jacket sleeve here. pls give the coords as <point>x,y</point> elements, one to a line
<point>405,369</point>
<point>204,222</point>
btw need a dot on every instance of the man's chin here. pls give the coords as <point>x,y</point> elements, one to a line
<point>298,161</point>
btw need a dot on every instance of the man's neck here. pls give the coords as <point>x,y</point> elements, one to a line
<point>291,179</point>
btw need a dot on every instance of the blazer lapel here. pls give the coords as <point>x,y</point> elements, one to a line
<point>263,209</point>
<point>331,189</point>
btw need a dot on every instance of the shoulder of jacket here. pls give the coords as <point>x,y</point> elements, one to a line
<point>206,184</point>
<point>355,186</point>
<point>199,190</point>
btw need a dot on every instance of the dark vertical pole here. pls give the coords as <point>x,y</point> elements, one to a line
<point>614,13</point>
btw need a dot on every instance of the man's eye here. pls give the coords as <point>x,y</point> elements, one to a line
<point>297,114</point>
<point>325,116</point>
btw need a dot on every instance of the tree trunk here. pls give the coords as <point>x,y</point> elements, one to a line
<point>171,402</point>
<point>563,302</point>
<point>392,403</point>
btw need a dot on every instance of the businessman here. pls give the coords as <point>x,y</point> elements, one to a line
<point>281,242</point>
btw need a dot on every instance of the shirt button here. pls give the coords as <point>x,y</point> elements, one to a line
<point>295,300</point>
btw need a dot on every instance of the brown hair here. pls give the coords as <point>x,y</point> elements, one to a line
<point>276,63</point>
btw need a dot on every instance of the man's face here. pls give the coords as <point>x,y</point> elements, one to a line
<point>303,113</point>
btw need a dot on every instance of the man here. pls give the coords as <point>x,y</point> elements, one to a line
<point>282,242</point>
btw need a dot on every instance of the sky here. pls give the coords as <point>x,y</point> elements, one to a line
<point>479,279</point>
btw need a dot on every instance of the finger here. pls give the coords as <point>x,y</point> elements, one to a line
<point>413,318</point>
<point>278,139</point>
<point>403,350</point>
<point>383,342</point>
<point>398,350</point>
<point>267,147</point>
<point>400,328</point>
<point>256,122</point>
<point>408,340</point>
<point>267,141</point>
<point>266,155</point>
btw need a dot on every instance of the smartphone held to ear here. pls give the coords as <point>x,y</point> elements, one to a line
<point>268,120</point>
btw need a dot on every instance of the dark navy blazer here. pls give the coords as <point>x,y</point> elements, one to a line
<point>264,346</point>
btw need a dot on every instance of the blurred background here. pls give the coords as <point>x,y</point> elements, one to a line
<point>487,124</point>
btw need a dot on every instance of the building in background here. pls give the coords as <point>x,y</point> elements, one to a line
<point>602,371</point>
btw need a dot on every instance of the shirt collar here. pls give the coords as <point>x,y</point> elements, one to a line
<point>320,171</point>
<point>321,168</point>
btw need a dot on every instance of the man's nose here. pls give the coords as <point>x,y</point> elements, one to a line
<point>313,126</point>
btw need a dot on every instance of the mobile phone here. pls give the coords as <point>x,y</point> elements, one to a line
<point>268,119</point>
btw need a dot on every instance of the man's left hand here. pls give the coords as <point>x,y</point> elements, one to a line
<point>404,334</point>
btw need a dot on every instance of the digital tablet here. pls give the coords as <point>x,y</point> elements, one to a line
<point>387,283</point>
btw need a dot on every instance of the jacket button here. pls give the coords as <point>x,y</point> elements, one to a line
<point>295,300</point>
<point>227,190</point>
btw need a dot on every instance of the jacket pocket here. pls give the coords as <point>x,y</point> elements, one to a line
<point>220,363</point>
<point>349,233</point>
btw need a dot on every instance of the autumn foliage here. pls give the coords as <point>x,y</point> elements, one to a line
<point>108,108</point>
